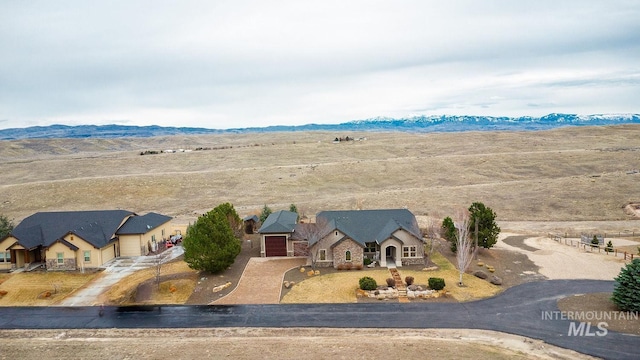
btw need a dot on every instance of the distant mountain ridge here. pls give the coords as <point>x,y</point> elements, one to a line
<point>432,123</point>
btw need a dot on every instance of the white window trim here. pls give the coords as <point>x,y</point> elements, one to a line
<point>84,256</point>
<point>59,260</point>
<point>410,249</point>
<point>320,252</point>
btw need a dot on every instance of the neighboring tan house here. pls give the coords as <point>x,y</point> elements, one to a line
<point>72,240</point>
<point>390,236</point>
<point>275,233</point>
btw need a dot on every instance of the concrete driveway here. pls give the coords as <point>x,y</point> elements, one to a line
<point>115,271</point>
<point>261,281</point>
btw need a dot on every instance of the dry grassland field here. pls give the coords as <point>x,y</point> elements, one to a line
<point>570,174</point>
<point>565,180</point>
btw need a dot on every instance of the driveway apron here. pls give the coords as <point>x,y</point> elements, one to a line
<point>261,281</point>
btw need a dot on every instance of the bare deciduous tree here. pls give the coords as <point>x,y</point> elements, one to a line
<point>432,232</point>
<point>313,232</point>
<point>464,243</point>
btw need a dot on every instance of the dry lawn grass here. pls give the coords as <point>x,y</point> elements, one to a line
<point>577,173</point>
<point>124,292</point>
<point>341,287</point>
<point>28,289</point>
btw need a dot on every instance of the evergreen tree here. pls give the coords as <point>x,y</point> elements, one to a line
<point>235,223</point>
<point>209,244</point>
<point>294,208</point>
<point>6,226</point>
<point>488,230</point>
<point>626,292</point>
<point>449,233</point>
<point>266,211</point>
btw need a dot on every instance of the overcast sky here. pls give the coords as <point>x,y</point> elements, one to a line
<point>223,64</point>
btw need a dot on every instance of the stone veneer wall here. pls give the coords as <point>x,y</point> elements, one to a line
<point>69,264</point>
<point>357,253</point>
<point>412,261</point>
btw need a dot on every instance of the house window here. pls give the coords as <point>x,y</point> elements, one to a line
<point>7,256</point>
<point>336,233</point>
<point>323,254</point>
<point>60,258</point>
<point>1,257</point>
<point>370,247</point>
<point>87,256</point>
<point>71,237</point>
<point>409,251</point>
<point>347,255</point>
<point>162,232</point>
<point>153,238</point>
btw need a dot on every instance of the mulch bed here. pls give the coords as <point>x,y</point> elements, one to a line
<point>203,293</point>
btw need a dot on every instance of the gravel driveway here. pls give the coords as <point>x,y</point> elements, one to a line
<point>261,281</point>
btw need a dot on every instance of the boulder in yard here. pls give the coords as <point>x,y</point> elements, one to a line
<point>480,274</point>
<point>495,280</point>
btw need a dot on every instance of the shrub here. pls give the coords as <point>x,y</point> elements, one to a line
<point>436,283</point>
<point>626,292</point>
<point>358,267</point>
<point>409,280</point>
<point>368,283</point>
<point>367,261</point>
<point>595,242</point>
<point>391,282</point>
<point>609,247</point>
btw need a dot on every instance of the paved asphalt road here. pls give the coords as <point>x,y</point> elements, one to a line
<point>519,310</point>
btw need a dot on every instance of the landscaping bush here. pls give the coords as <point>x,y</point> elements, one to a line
<point>409,280</point>
<point>595,242</point>
<point>391,282</point>
<point>626,292</point>
<point>368,283</point>
<point>358,267</point>
<point>609,247</point>
<point>436,283</point>
<point>367,261</point>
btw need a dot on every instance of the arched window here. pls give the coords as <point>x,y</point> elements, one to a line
<point>347,255</point>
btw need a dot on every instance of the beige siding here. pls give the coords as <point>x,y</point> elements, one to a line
<point>69,261</point>
<point>6,265</point>
<point>95,255</point>
<point>325,244</point>
<point>108,253</point>
<point>131,245</point>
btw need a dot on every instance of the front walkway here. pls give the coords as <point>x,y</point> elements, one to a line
<point>114,271</point>
<point>261,281</point>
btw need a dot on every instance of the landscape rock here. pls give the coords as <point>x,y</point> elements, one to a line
<point>221,287</point>
<point>495,280</point>
<point>480,274</point>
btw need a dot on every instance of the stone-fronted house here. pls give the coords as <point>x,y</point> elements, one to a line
<point>72,240</point>
<point>275,234</point>
<point>389,236</point>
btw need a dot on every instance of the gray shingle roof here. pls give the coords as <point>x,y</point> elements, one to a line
<point>44,228</point>
<point>142,224</point>
<point>279,222</point>
<point>251,217</point>
<point>371,225</point>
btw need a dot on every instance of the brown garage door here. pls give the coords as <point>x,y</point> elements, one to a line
<point>275,245</point>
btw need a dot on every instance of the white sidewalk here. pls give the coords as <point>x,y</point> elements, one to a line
<point>115,271</point>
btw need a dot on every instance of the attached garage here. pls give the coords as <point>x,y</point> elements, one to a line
<point>130,245</point>
<point>275,245</point>
<point>108,253</point>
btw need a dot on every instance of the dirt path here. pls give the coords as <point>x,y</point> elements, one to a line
<point>558,261</point>
<point>261,281</point>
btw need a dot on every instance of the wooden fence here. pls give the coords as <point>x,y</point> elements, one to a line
<point>577,243</point>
